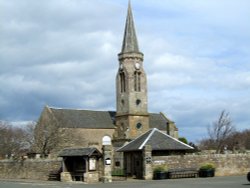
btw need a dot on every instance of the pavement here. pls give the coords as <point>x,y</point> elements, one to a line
<point>220,182</point>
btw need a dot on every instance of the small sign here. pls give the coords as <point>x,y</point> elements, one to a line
<point>108,161</point>
<point>92,164</point>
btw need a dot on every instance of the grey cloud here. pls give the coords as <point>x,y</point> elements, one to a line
<point>64,54</point>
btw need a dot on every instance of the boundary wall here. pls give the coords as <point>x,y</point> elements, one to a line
<point>226,164</point>
<point>36,169</point>
<point>39,169</point>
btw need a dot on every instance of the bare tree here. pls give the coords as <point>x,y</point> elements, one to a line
<point>220,130</point>
<point>14,140</point>
<point>207,144</point>
<point>28,131</point>
<point>247,138</point>
<point>4,132</point>
<point>46,138</point>
<point>239,141</point>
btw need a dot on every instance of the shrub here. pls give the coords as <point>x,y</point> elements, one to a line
<point>160,168</point>
<point>207,166</point>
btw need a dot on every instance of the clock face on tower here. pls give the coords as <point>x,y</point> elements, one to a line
<point>137,65</point>
<point>138,125</point>
<point>121,66</point>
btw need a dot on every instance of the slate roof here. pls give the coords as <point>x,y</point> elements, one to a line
<point>72,118</point>
<point>157,140</point>
<point>73,152</point>
<point>158,121</point>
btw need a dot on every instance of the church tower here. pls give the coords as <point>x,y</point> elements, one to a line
<point>132,117</point>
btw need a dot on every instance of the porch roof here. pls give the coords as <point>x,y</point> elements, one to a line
<point>73,152</point>
<point>157,140</point>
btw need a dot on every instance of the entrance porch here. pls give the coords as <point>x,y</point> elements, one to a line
<point>80,164</point>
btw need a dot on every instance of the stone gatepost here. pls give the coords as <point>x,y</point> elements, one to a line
<point>65,175</point>
<point>107,163</point>
<point>147,162</point>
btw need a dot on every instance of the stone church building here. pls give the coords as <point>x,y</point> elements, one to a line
<point>93,143</point>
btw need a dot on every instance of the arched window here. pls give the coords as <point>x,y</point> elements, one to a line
<point>106,140</point>
<point>137,81</point>
<point>122,82</point>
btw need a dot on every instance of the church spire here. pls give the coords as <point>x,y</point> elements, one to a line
<point>130,43</point>
<point>132,117</point>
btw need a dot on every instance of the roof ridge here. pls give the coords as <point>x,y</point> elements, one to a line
<point>164,116</point>
<point>77,109</point>
<point>61,108</point>
<point>133,140</point>
<point>146,140</point>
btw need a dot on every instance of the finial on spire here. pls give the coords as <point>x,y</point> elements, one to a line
<point>130,43</point>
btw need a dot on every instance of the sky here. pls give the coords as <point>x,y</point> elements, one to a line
<point>63,53</point>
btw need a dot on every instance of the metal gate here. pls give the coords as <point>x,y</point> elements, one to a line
<point>119,173</point>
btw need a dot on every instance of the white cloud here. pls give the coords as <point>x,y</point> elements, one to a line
<point>64,53</point>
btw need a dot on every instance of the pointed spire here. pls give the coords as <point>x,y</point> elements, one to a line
<point>130,43</point>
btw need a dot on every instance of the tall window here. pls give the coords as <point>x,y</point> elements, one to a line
<point>137,81</point>
<point>122,82</point>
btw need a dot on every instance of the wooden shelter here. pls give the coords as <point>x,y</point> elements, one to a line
<point>79,164</point>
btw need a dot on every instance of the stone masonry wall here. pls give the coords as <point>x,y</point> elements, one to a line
<point>37,169</point>
<point>229,164</point>
<point>78,137</point>
<point>226,164</point>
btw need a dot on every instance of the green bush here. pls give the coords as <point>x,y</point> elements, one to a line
<point>207,166</point>
<point>183,139</point>
<point>160,168</point>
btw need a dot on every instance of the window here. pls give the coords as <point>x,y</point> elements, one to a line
<point>122,126</point>
<point>117,164</point>
<point>137,81</point>
<point>138,125</point>
<point>122,82</point>
<point>138,102</point>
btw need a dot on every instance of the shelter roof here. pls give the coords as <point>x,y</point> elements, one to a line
<point>74,152</point>
<point>157,140</point>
